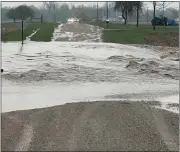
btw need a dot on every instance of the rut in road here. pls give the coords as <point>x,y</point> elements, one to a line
<point>25,138</point>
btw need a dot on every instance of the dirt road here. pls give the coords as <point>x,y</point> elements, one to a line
<point>91,126</point>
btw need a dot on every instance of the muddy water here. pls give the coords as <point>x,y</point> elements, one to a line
<point>43,74</point>
<point>77,32</point>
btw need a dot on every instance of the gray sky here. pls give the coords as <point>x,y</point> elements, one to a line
<point>12,4</point>
<point>38,4</point>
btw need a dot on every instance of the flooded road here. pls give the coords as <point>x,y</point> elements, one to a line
<point>66,69</point>
<point>82,71</point>
<point>77,32</point>
<point>124,82</point>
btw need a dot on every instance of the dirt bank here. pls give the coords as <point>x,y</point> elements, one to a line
<point>91,126</point>
<point>164,39</point>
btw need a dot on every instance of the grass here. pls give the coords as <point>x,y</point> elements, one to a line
<point>16,35</point>
<point>131,34</point>
<point>44,34</point>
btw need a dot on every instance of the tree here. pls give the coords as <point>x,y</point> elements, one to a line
<point>23,12</point>
<point>124,8</point>
<point>137,5</point>
<point>82,16</point>
<point>52,8</point>
<point>12,14</point>
<point>127,7</point>
<point>63,13</point>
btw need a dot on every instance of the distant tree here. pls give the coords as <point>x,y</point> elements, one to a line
<point>65,6</point>
<point>37,11</point>
<point>4,11</point>
<point>52,8</point>
<point>82,16</point>
<point>23,12</point>
<point>12,14</point>
<point>127,7</point>
<point>174,12</point>
<point>64,12</point>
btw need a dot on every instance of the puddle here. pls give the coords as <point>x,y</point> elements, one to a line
<point>169,103</point>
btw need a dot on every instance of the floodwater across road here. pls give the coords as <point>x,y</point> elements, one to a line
<point>44,74</point>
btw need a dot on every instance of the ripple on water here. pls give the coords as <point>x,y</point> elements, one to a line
<point>106,68</point>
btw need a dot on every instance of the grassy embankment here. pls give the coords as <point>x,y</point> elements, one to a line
<point>144,34</point>
<point>44,34</point>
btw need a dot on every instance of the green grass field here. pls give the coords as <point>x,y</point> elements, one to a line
<point>130,34</point>
<point>44,34</point>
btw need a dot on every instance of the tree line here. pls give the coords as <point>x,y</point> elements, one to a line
<point>59,11</point>
<point>51,12</point>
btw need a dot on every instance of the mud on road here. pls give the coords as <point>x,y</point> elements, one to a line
<point>77,32</point>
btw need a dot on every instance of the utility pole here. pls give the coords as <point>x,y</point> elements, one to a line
<point>97,11</point>
<point>154,24</point>
<point>107,15</point>
<point>163,8</point>
<point>41,18</point>
<point>147,14</point>
<point>22,32</point>
<point>107,11</point>
<point>137,15</point>
<point>164,16</point>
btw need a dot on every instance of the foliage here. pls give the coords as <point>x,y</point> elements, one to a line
<point>24,12</point>
<point>21,12</point>
<point>12,14</point>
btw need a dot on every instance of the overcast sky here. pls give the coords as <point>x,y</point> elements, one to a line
<point>38,4</point>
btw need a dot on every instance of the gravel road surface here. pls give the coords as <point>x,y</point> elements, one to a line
<point>93,126</point>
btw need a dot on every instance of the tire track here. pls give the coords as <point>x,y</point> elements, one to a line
<point>25,139</point>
